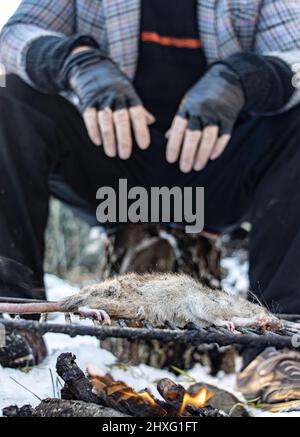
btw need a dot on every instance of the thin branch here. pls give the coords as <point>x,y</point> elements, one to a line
<point>193,336</point>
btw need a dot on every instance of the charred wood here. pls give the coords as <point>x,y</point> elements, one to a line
<point>194,337</point>
<point>61,408</point>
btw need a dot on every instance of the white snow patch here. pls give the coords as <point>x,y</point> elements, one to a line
<point>236,281</point>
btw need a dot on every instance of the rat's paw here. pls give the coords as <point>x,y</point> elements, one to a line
<point>98,315</point>
<point>231,327</point>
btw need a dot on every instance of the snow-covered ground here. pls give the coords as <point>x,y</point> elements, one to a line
<point>17,387</point>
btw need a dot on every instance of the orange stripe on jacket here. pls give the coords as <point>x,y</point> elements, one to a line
<point>182,43</point>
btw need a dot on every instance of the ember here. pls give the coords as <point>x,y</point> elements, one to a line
<point>145,395</point>
<point>178,402</point>
<point>122,396</point>
<point>199,400</point>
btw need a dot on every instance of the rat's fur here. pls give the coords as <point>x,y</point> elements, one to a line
<point>175,298</point>
<point>158,298</point>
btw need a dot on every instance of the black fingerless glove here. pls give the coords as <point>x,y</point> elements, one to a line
<point>98,82</point>
<point>217,99</point>
<point>94,78</point>
<point>254,83</point>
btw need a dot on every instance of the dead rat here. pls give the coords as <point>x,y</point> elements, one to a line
<point>157,298</point>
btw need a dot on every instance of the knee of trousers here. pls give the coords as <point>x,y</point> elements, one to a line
<point>19,97</point>
<point>286,125</point>
<point>16,88</point>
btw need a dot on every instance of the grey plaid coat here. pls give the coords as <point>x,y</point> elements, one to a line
<point>225,27</point>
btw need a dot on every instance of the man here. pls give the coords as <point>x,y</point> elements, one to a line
<point>201,91</point>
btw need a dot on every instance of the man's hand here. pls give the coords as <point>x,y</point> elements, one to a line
<point>110,106</point>
<point>202,128</point>
<point>112,129</point>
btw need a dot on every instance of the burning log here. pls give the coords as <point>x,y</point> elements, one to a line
<point>177,401</point>
<point>170,391</point>
<point>222,400</point>
<point>183,401</point>
<point>120,396</point>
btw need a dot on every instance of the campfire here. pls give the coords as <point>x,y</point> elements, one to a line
<point>99,395</point>
<point>177,401</point>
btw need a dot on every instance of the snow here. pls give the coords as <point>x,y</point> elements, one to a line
<point>28,387</point>
<point>7,8</point>
<point>236,281</point>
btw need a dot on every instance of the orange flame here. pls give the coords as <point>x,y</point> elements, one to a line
<point>144,395</point>
<point>101,381</point>
<point>199,400</point>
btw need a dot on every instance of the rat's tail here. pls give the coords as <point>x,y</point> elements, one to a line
<point>29,308</point>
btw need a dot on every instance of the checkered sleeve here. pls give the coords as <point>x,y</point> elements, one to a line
<point>32,20</point>
<point>278,35</point>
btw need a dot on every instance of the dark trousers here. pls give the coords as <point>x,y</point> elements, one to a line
<point>257,178</point>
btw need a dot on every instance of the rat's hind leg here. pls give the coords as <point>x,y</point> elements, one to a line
<point>226,324</point>
<point>98,315</point>
<point>243,322</point>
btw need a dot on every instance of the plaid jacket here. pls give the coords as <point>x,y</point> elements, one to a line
<point>225,27</point>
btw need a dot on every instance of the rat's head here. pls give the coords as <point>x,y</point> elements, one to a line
<point>262,317</point>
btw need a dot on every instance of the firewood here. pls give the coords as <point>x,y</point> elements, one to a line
<point>77,386</point>
<point>61,408</point>
<point>116,395</point>
<point>14,411</point>
<point>119,395</point>
<point>122,397</point>
<point>223,400</point>
<point>170,391</point>
<point>175,393</point>
<point>102,396</point>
